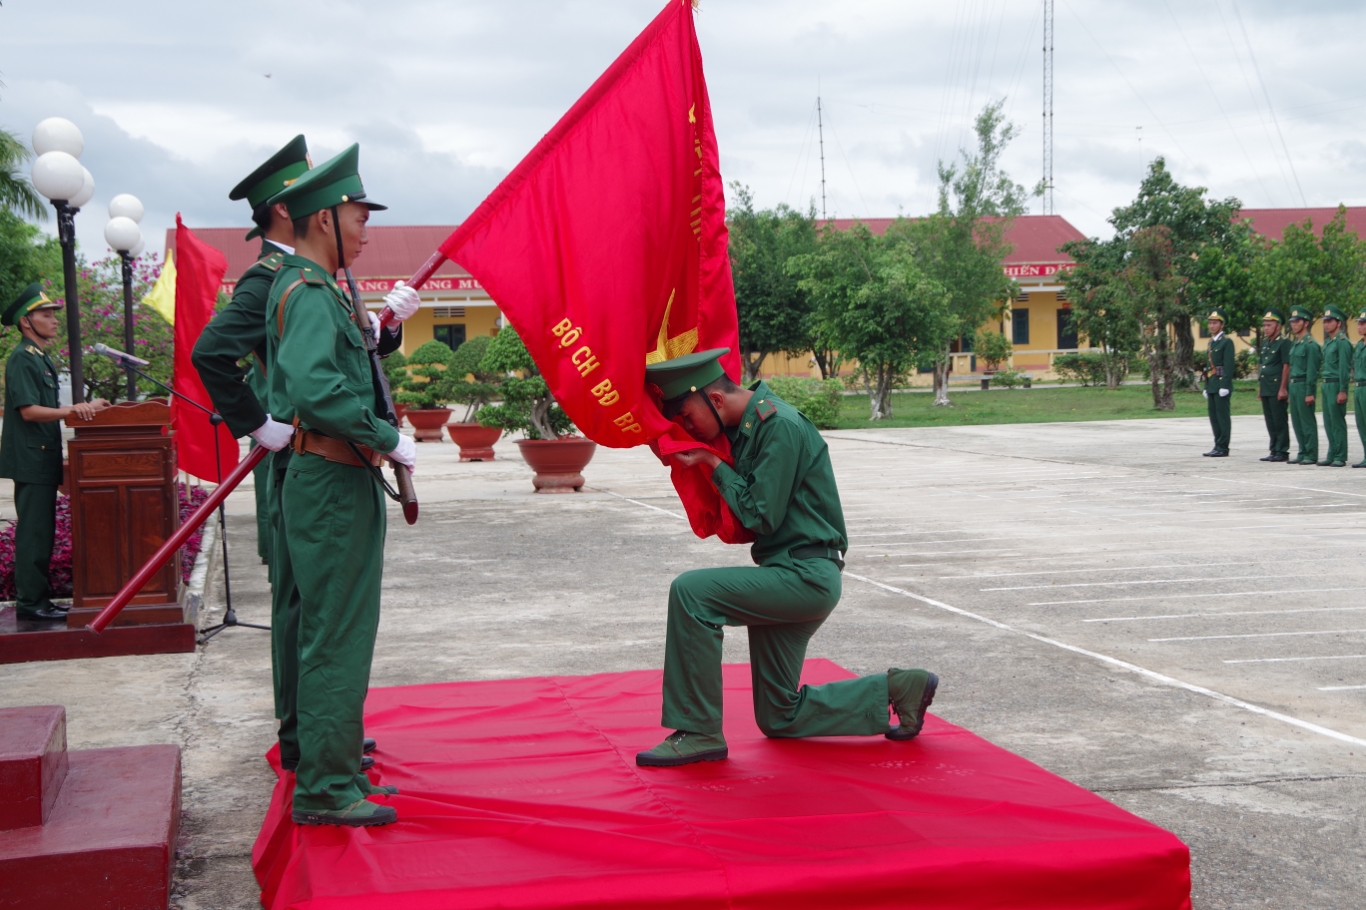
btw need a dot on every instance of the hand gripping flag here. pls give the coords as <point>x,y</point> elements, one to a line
<point>199,445</point>
<point>606,246</point>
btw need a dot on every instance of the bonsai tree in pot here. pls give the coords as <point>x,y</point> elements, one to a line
<point>396,373</point>
<point>426,390</point>
<point>474,387</point>
<point>557,457</point>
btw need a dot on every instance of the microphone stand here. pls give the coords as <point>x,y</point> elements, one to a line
<point>230,615</point>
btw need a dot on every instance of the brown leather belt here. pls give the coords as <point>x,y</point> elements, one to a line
<point>315,443</point>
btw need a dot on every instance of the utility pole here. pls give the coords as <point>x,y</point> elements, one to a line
<point>1048,107</point>
<point>820,128</point>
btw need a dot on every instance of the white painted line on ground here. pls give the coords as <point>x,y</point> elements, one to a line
<point>1262,635</point>
<point>1292,660</point>
<point>1124,665</point>
<point>1240,613</point>
<point>1148,581</point>
<point>639,503</point>
<point>1340,688</point>
<point>1205,565</point>
<point>1112,600</point>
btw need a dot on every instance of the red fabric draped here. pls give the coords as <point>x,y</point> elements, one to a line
<point>199,273</point>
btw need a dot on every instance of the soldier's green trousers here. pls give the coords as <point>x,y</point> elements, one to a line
<point>783,604</point>
<point>331,540</point>
<point>265,534</point>
<point>1276,413</point>
<point>1219,420</point>
<point>284,617</point>
<point>1335,422</point>
<point>1359,406</point>
<point>35,505</point>
<point>1305,421</point>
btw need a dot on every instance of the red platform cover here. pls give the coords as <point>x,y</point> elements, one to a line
<point>524,793</point>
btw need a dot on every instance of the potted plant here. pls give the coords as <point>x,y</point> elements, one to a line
<point>426,390</point>
<point>474,387</point>
<point>557,457</point>
<point>993,349</point>
<point>396,373</point>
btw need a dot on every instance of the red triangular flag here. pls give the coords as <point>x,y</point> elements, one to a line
<point>607,244</point>
<point>200,447</point>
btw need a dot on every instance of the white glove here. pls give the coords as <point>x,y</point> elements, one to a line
<point>1223,393</point>
<point>1205,392</point>
<point>273,435</point>
<point>403,300</point>
<point>374,324</point>
<point>405,453</point>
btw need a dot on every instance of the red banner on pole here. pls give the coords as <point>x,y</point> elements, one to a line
<point>606,246</point>
<point>199,445</point>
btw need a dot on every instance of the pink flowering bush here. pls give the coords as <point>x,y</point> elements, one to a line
<point>59,570</point>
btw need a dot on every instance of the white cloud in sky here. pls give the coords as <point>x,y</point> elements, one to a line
<point>445,97</point>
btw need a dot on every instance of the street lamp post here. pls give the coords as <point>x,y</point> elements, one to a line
<point>125,237</point>
<point>68,186</point>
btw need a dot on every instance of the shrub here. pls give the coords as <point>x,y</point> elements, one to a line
<point>395,369</point>
<point>470,384</point>
<point>992,348</point>
<point>428,385</point>
<point>1087,369</point>
<point>1008,379</point>
<point>527,403</point>
<point>818,399</point>
<point>1245,364</point>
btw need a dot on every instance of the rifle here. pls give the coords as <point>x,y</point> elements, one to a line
<point>195,519</point>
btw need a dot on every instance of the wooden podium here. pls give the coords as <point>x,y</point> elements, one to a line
<point>121,477</point>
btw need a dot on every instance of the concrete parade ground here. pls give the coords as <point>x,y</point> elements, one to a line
<point>1185,636</point>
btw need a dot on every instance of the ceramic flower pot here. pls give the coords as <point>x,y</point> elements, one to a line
<point>558,463</point>
<point>427,424</point>
<point>475,440</point>
<point>399,410</point>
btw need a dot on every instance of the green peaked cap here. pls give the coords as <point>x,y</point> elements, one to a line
<point>333,182</point>
<point>30,298</point>
<point>1299,312</point>
<point>684,375</point>
<point>279,171</point>
<point>1273,314</point>
<point>1333,312</point>
<point>1217,313</point>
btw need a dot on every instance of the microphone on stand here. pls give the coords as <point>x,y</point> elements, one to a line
<point>119,357</point>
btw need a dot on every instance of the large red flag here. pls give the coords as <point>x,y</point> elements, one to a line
<point>199,273</point>
<point>606,246</point>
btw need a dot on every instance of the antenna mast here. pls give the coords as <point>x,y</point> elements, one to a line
<point>820,127</point>
<point>1048,107</point>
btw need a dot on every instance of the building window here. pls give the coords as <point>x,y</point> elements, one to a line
<point>1019,326</point>
<point>1067,330</point>
<point>452,335</point>
<point>1204,330</point>
<point>448,312</point>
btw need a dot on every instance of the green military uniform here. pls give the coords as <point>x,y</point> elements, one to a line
<point>1336,373</point>
<point>1359,393</point>
<point>329,549</point>
<point>783,489</point>
<point>1219,372</point>
<point>1274,357</point>
<point>1305,357</point>
<point>31,455</point>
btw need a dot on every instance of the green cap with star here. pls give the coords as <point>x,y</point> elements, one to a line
<point>280,170</point>
<point>1361,317</point>
<point>1333,312</point>
<point>1273,314</point>
<point>1299,312</point>
<point>333,182</point>
<point>30,300</point>
<point>1217,313</point>
<point>680,377</point>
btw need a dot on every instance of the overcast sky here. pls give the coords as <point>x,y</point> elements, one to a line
<point>178,101</point>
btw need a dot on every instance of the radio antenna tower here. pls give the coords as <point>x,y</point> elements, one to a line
<point>820,129</point>
<point>1048,107</point>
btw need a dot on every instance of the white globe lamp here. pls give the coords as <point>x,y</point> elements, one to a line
<point>126,205</point>
<point>138,247</point>
<point>87,190</point>
<point>122,234</point>
<point>58,175</point>
<point>57,134</point>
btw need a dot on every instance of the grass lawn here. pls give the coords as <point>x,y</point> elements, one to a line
<point>1036,405</point>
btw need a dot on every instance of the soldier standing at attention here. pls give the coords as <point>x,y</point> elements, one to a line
<point>31,449</point>
<point>238,334</point>
<point>1273,380</point>
<point>1337,370</point>
<point>330,538</point>
<point>783,489</point>
<point>1359,379</point>
<point>1219,384</point>
<point>1304,381</point>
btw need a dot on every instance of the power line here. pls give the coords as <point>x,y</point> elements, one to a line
<point>1048,107</point>
<point>1270,108</point>
<point>820,125</point>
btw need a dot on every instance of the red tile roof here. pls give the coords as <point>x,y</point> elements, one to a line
<point>1036,238</point>
<point>1272,222</point>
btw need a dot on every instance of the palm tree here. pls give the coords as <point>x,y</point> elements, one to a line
<point>16,192</point>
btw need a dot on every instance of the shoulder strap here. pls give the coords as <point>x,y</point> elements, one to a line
<point>280,311</point>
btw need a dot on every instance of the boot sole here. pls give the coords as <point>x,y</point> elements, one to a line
<point>322,818</point>
<point>649,761</point>
<point>926,699</point>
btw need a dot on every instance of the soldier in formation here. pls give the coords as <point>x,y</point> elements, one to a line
<point>1336,374</point>
<point>1305,358</point>
<point>1359,380</point>
<point>1219,372</point>
<point>1273,385</point>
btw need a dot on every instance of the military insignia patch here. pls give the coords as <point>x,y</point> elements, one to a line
<point>272,262</point>
<point>765,409</point>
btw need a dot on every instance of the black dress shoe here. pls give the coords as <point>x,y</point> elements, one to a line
<point>1271,457</point>
<point>45,613</point>
<point>1360,464</point>
<point>366,763</point>
<point>1324,464</point>
<point>1217,453</point>
<point>1277,458</point>
<point>367,746</point>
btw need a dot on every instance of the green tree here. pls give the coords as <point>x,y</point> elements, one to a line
<point>773,309</point>
<point>16,193</point>
<point>962,245</point>
<point>428,384</point>
<point>1303,269</point>
<point>876,305</point>
<point>471,384</point>
<point>26,255</point>
<point>1098,311</point>
<point>527,402</point>
<point>1149,290</point>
